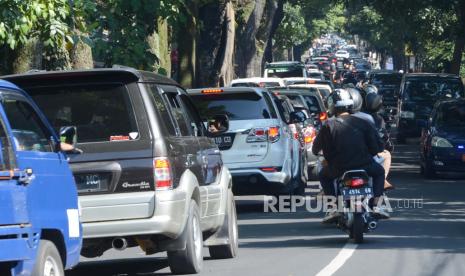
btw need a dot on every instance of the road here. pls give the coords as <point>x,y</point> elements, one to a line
<point>422,238</point>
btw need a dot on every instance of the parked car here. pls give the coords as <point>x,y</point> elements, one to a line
<point>257,82</point>
<point>147,164</point>
<point>418,94</point>
<point>285,69</point>
<point>311,101</point>
<point>259,148</point>
<point>443,139</point>
<point>40,230</point>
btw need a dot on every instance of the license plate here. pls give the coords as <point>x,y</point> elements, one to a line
<point>347,193</point>
<point>92,182</point>
<point>224,141</point>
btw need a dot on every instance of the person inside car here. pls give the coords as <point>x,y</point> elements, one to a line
<point>348,143</point>
<point>216,125</point>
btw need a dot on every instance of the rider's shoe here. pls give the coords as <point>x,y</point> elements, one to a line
<point>380,213</point>
<point>331,216</point>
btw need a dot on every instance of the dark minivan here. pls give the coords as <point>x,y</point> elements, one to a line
<point>146,171</point>
<point>418,94</point>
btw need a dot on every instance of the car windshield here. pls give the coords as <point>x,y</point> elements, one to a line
<point>285,72</point>
<point>451,115</point>
<point>432,89</point>
<point>238,106</point>
<point>387,79</point>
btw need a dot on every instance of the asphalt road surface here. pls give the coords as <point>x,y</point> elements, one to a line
<point>425,236</point>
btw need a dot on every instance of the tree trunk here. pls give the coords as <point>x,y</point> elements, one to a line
<point>226,73</point>
<point>81,55</point>
<point>164,48</point>
<point>278,17</point>
<point>459,45</point>
<point>253,38</point>
<point>28,57</point>
<point>187,44</point>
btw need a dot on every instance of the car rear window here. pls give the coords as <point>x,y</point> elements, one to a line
<point>387,79</point>
<point>285,72</point>
<point>100,112</point>
<point>451,115</point>
<point>432,89</point>
<point>238,106</point>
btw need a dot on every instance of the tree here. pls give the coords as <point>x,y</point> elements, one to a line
<point>292,30</point>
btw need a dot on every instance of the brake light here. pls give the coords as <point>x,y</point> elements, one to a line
<point>212,91</point>
<point>271,169</point>
<point>323,116</point>
<point>311,81</point>
<point>162,173</point>
<point>309,134</point>
<point>256,135</point>
<point>355,182</point>
<point>273,134</point>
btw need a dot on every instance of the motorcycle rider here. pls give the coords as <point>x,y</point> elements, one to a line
<point>348,143</point>
<point>374,103</point>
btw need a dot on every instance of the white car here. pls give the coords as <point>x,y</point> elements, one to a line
<point>257,82</point>
<point>260,149</point>
<point>342,54</point>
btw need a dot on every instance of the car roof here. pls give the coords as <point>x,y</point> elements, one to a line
<point>228,90</point>
<point>119,74</point>
<point>426,75</point>
<point>257,79</point>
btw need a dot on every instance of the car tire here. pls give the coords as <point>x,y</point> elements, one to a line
<point>427,171</point>
<point>189,260</point>
<point>48,260</point>
<point>229,250</point>
<point>313,173</point>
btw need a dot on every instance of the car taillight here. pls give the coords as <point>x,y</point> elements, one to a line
<point>162,173</point>
<point>355,182</point>
<point>323,116</point>
<point>273,134</point>
<point>309,134</point>
<point>256,135</point>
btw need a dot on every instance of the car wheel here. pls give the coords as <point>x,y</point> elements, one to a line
<point>48,261</point>
<point>189,260</point>
<point>229,250</point>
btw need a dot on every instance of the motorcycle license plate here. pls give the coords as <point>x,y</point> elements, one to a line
<point>366,191</point>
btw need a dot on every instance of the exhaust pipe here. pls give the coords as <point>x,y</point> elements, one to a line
<point>372,225</point>
<point>119,244</point>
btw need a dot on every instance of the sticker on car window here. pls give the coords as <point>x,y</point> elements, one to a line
<point>119,138</point>
<point>134,135</point>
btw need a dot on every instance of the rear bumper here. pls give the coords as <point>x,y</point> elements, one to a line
<point>168,219</point>
<point>253,181</point>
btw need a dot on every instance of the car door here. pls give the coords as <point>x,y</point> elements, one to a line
<point>211,157</point>
<point>186,137</point>
<point>42,166</point>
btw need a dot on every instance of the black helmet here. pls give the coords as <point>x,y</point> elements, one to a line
<point>340,101</point>
<point>373,102</point>
<point>357,98</point>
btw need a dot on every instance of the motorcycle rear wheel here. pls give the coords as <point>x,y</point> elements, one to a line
<point>357,229</point>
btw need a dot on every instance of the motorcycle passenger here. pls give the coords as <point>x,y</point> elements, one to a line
<point>374,103</point>
<point>348,143</point>
<point>357,107</point>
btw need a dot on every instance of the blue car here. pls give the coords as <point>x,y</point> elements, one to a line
<point>443,139</point>
<point>40,230</point>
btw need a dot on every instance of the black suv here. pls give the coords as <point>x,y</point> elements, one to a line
<point>418,94</point>
<point>147,175</point>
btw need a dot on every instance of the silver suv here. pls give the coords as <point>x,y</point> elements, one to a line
<point>261,148</point>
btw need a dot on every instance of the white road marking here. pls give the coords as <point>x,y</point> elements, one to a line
<point>345,253</point>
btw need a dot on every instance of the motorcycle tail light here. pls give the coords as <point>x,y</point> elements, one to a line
<point>309,134</point>
<point>355,182</point>
<point>323,116</point>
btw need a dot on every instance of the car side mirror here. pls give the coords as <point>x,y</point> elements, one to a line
<point>297,117</point>
<point>218,125</point>
<point>68,138</point>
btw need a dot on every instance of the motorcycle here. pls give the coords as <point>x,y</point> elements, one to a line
<point>355,189</point>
